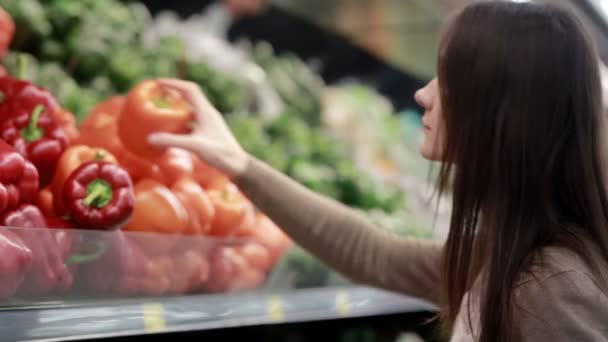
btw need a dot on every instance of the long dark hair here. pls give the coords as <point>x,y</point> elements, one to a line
<point>521,94</point>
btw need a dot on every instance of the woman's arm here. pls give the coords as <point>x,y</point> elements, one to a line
<point>334,233</point>
<point>342,238</point>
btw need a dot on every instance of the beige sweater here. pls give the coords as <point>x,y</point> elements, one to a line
<point>561,303</point>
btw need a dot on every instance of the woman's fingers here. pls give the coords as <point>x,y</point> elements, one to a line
<point>164,140</point>
<point>205,111</point>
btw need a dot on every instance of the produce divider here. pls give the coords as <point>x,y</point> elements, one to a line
<point>105,220</point>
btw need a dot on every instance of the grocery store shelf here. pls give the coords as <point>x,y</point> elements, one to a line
<point>95,319</point>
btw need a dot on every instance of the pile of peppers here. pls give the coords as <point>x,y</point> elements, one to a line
<point>45,182</point>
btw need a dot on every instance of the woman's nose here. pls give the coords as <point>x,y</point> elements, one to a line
<point>421,98</point>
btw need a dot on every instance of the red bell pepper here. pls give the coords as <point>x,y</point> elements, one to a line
<point>49,271</point>
<point>7,31</point>
<point>38,137</point>
<point>99,195</point>
<point>14,264</point>
<point>19,98</point>
<point>121,269</point>
<point>152,107</point>
<point>70,160</point>
<point>18,179</point>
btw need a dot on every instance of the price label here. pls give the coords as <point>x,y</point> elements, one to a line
<point>343,303</point>
<point>274,307</point>
<point>154,317</point>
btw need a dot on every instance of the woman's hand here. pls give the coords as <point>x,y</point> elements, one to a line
<point>211,139</point>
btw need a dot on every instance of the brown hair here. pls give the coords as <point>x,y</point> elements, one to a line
<point>521,94</point>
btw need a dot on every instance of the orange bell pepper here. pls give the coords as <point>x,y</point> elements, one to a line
<point>197,203</point>
<point>7,31</point>
<point>176,163</point>
<point>192,271</point>
<point>173,164</point>
<point>256,254</point>
<point>157,209</point>
<point>271,236</point>
<point>69,161</point>
<point>230,209</point>
<point>158,277</point>
<point>45,201</point>
<point>67,120</point>
<point>100,129</point>
<point>151,107</point>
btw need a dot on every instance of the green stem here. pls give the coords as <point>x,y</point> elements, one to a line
<point>161,102</point>
<point>32,132</point>
<point>99,155</point>
<point>85,258</point>
<point>21,66</point>
<point>2,97</point>
<point>99,194</point>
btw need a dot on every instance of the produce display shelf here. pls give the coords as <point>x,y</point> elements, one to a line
<point>84,320</point>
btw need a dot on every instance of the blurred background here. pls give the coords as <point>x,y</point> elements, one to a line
<point>322,90</point>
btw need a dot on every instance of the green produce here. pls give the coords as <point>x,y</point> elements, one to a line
<point>30,17</point>
<point>299,87</point>
<point>225,93</point>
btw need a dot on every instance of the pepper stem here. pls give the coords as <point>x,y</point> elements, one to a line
<point>99,194</point>
<point>161,102</point>
<point>99,155</point>
<point>21,66</point>
<point>2,97</point>
<point>32,132</point>
<point>85,258</point>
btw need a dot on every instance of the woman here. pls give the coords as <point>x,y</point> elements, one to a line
<point>515,117</point>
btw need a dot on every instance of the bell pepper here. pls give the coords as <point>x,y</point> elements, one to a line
<point>38,137</point>
<point>271,236</point>
<point>176,163</point>
<point>7,31</point>
<point>121,269</point>
<point>173,164</point>
<point>158,278</point>
<point>99,195</point>
<point>18,179</point>
<point>49,271</point>
<point>154,108</point>
<point>99,129</point>
<point>157,209</point>
<point>197,203</point>
<point>256,254</point>
<point>45,202</point>
<point>66,120</point>
<point>14,264</point>
<point>225,263</point>
<point>230,209</point>
<point>59,223</point>
<point>69,161</point>
<point>19,97</point>
<point>193,271</point>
